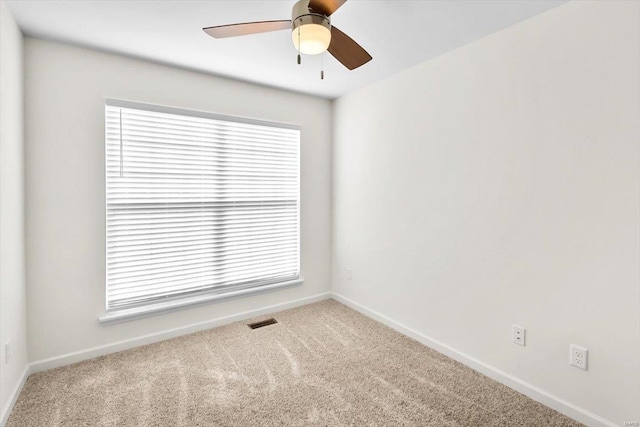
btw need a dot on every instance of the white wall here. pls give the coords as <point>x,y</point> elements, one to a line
<point>65,88</point>
<point>13,324</point>
<point>500,184</point>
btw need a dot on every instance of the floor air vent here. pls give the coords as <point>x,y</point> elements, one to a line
<point>263,323</point>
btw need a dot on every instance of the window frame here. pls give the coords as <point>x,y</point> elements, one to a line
<point>118,315</point>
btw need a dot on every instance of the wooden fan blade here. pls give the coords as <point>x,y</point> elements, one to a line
<point>347,51</point>
<point>233,30</point>
<point>326,7</point>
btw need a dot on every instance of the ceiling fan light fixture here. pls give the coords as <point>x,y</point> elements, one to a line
<point>311,34</point>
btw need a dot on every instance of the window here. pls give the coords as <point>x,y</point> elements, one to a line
<point>198,205</point>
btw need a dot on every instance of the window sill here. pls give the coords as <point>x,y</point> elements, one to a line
<point>127,314</point>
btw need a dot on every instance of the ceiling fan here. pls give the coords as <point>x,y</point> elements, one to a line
<point>311,31</point>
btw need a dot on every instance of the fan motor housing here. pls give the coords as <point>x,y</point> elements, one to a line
<point>311,18</point>
<point>302,15</point>
<point>300,8</point>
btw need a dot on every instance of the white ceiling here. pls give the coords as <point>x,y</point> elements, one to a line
<point>398,34</point>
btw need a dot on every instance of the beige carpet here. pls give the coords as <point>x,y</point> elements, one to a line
<point>322,364</point>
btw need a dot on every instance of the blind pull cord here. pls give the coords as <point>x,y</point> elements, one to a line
<point>121,148</point>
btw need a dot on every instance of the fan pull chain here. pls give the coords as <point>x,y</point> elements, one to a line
<point>299,58</point>
<point>322,67</point>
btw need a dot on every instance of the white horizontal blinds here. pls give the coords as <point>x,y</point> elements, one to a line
<point>197,204</point>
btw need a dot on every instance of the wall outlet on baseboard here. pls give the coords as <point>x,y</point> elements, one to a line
<point>7,352</point>
<point>518,335</point>
<point>348,274</point>
<point>578,356</point>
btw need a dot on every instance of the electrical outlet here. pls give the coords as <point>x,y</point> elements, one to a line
<point>578,356</point>
<point>348,274</point>
<point>7,351</point>
<point>518,335</point>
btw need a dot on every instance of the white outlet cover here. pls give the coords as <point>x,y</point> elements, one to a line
<point>348,274</point>
<point>519,335</point>
<point>578,357</point>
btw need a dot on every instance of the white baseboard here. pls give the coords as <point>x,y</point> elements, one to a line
<point>69,358</point>
<point>6,411</point>
<point>547,399</point>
